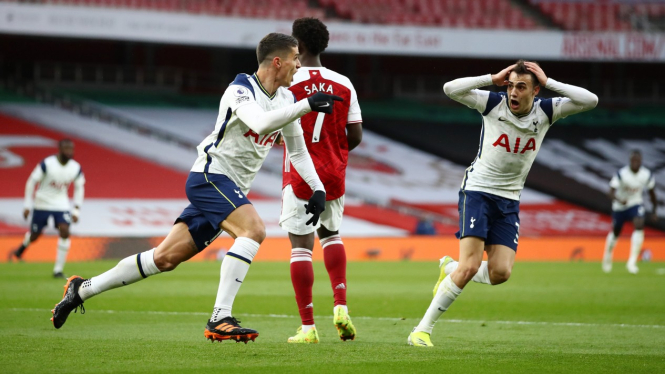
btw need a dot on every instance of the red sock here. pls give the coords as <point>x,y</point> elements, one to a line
<point>302,277</point>
<point>334,256</point>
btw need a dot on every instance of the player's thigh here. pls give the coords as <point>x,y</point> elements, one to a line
<point>244,221</point>
<point>63,229</point>
<point>302,241</point>
<point>293,217</point>
<point>177,247</point>
<point>638,218</point>
<point>500,261</point>
<point>331,218</point>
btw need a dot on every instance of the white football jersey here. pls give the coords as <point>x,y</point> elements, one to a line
<point>233,149</point>
<point>508,144</point>
<point>630,186</point>
<point>54,180</point>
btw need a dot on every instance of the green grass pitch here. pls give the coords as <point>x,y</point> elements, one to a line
<point>549,318</point>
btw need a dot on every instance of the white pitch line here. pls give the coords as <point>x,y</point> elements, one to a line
<point>569,324</point>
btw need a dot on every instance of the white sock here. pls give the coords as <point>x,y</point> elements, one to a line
<point>482,276</point>
<point>61,257</point>
<point>234,268</point>
<point>26,239</point>
<point>636,241</point>
<point>346,309</point>
<point>306,328</point>
<point>129,270</point>
<point>447,293</point>
<point>610,242</point>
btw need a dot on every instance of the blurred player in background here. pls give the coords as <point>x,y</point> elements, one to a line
<point>54,175</point>
<point>514,125</point>
<point>329,138</point>
<point>626,188</point>
<point>253,109</point>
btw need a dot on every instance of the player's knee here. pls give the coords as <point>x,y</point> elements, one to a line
<point>256,231</point>
<point>639,224</point>
<point>467,271</point>
<point>498,276</point>
<point>166,261</point>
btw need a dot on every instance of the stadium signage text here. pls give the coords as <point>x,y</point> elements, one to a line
<point>175,28</point>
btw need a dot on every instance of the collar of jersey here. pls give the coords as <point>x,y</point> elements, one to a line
<point>263,89</point>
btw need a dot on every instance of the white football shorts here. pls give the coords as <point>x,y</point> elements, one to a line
<point>293,216</point>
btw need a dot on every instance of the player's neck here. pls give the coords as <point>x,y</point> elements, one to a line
<point>310,61</point>
<point>60,160</point>
<point>267,79</point>
<point>519,115</point>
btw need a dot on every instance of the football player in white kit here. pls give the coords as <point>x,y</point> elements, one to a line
<point>514,125</point>
<point>626,188</point>
<point>54,175</point>
<point>253,109</point>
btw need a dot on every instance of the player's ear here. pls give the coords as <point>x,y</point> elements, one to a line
<point>536,90</point>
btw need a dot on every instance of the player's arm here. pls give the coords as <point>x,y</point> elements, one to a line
<point>354,134</point>
<point>575,99</point>
<point>79,192</point>
<point>263,122</point>
<point>615,183</point>
<point>34,178</point>
<point>652,195</point>
<point>464,90</point>
<point>302,162</point>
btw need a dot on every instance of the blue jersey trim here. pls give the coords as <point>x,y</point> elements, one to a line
<point>546,106</point>
<point>220,136</point>
<point>295,100</point>
<point>43,166</point>
<point>258,82</point>
<point>619,174</point>
<point>492,101</point>
<point>242,80</point>
<point>239,257</point>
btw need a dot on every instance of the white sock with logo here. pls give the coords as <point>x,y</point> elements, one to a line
<point>636,241</point>
<point>610,242</point>
<point>129,270</point>
<point>233,271</point>
<point>61,257</point>
<point>482,276</point>
<point>447,293</point>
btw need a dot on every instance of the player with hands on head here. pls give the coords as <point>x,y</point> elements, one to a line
<point>626,188</point>
<point>329,137</point>
<point>252,112</point>
<point>54,175</point>
<point>514,125</point>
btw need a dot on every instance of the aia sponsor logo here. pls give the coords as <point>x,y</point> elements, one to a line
<point>266,140</point>
<point>504,142</point>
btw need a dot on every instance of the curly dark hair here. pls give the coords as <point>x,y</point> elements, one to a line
<point>521,69</point>
<point>312,33</point>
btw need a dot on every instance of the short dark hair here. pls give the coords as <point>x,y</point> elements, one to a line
<point>274,43</point>
<point>521,69</point>
<point>312,33</point>
<point>635,152</point>
<point>63,141</point>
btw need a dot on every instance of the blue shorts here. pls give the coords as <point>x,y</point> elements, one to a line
<point>40,219</point>
<point>212,198</point>
<point>622,216</point>
<point>492,218</point>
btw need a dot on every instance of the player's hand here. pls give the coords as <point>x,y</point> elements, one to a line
<point>321,102</point>
<point>75,218</point>
<point>540,74</point>
<point>26,213</point>
<point>315,206</point>
<point>501,78</point>
<point>75,214</point>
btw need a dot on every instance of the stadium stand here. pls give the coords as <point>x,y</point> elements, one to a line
<point>580,15</point>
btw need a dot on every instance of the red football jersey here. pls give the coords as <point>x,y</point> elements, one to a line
<point>325,134</point>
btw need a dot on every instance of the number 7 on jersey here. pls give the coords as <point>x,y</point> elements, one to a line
<point>318,125</point>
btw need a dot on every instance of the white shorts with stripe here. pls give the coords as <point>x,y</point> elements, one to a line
<point>293,216</point>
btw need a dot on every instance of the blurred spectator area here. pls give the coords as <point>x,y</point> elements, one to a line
<point>604,15</point>
<point>575,15</point>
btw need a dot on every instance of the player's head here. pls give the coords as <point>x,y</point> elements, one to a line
<point>523,86</point>
<point>635,160</point>
<point>279,52</point>
<point>312,35</point>
<point>65,150</point>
